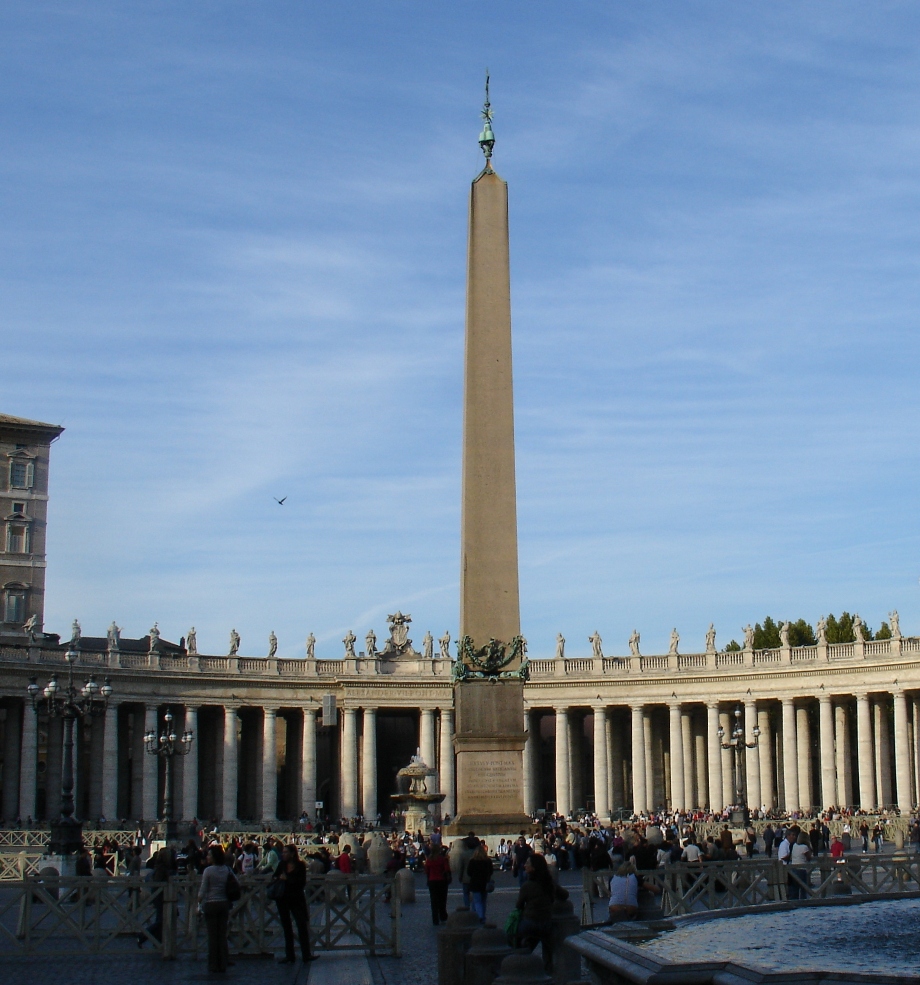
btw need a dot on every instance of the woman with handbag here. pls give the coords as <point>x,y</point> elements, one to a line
<point>217,888</point>
<point>437,870</point>
<point>287,891</point>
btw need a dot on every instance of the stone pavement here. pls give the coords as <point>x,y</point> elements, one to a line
<point>417,966</point>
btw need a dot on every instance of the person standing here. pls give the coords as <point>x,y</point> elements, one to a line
<point>784,855</point>
<point>460,854</point>
<point>215,901</point>
<point>343,862</point>
<point>535,903</point>
<point>768,838</point>
<point>437,871</point>
<point>521,852</point>
<point>479,871</point>
<point>293,903</point>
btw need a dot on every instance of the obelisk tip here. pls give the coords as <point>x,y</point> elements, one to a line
<point>487,137</point>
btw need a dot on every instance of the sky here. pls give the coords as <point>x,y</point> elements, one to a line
<point>232,265</point>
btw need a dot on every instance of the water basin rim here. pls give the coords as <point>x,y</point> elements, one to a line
<point>643,967</point>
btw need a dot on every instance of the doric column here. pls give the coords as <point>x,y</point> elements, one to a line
<point>751,756</point>
<point>150,770</point>
<point>686,738</point>
<point>716,802</point>
<point>350,762</point>
<point>576,761</point>
<point>527,763</point>
<point>269,764</point>
<point>843,757</point>
<point>905,799</point>
<point>765,758</point>
<point>828,762</point>
<point>676,745</point>
<point>308,763</point>
<point>563,763</point>
<point>701,765</point>
<point>369,765</point>
<point>446,765</point>
<point>617,793</point>
<point>914,738</point>
<point>28,764</point>
<point>649,760</point>
<point>803,753</point>
<point>110,763</point>
<point>189,766</point>
<point>727,722</point>
<point>882,752</point>
<point>11,759</point>
<point>865,752</point>
<point>790,757</point>
<point>640,797</point>
<point>426,740</point>
<point>601,803</point>
<point>231,764</point>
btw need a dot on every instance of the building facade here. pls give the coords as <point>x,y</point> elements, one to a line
<point>839,724</point>
<point>24,457</point>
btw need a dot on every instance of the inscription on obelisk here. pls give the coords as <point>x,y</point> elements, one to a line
<point>490,670</point>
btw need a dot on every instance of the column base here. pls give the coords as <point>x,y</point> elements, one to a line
<point>66,836</point>
<point>490,824</point>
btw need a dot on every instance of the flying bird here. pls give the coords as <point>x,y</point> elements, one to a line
<point>280,502</point>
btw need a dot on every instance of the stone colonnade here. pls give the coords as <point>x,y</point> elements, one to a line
<point>255,763</point>
<point>848,749</point>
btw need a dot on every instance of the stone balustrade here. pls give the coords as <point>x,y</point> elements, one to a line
<point>540,667</point>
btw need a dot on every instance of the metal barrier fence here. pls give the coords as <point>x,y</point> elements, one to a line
<point>675,890</point>
<point>67,915</point>
<point>14,839</point>
<point>14,867</point>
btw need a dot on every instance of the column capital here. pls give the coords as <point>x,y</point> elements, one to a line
<point>825,698</point>
<point>561,709</point>
<point>270,710</point>
<point>787,702</point>
<point>675,705</point>
<point>713,705</point>
<point>599,707</point>
<point>232,709</point>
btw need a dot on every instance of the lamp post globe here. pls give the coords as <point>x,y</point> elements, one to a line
<point>167,745</point>
<point>736,743</point>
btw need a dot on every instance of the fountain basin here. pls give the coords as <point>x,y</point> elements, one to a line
<point>843,940</point>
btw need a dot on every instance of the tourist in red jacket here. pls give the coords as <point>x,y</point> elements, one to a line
<point>437,869</point>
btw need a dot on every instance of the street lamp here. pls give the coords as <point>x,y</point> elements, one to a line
<point>739,814</point>
<point>68,703</point>
<point>167,744</point>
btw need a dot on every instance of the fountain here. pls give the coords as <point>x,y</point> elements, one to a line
<point>413,799</point>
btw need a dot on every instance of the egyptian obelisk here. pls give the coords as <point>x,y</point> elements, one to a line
<point>489,694</point>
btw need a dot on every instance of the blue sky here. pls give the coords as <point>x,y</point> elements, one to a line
<point>233,247</point>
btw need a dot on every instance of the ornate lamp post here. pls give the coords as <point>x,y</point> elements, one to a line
<point>739,814</point>
<point>69,704</point>
<point>167,744</point>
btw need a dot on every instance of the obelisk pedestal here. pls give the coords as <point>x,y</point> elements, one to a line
<point>490,671</point>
